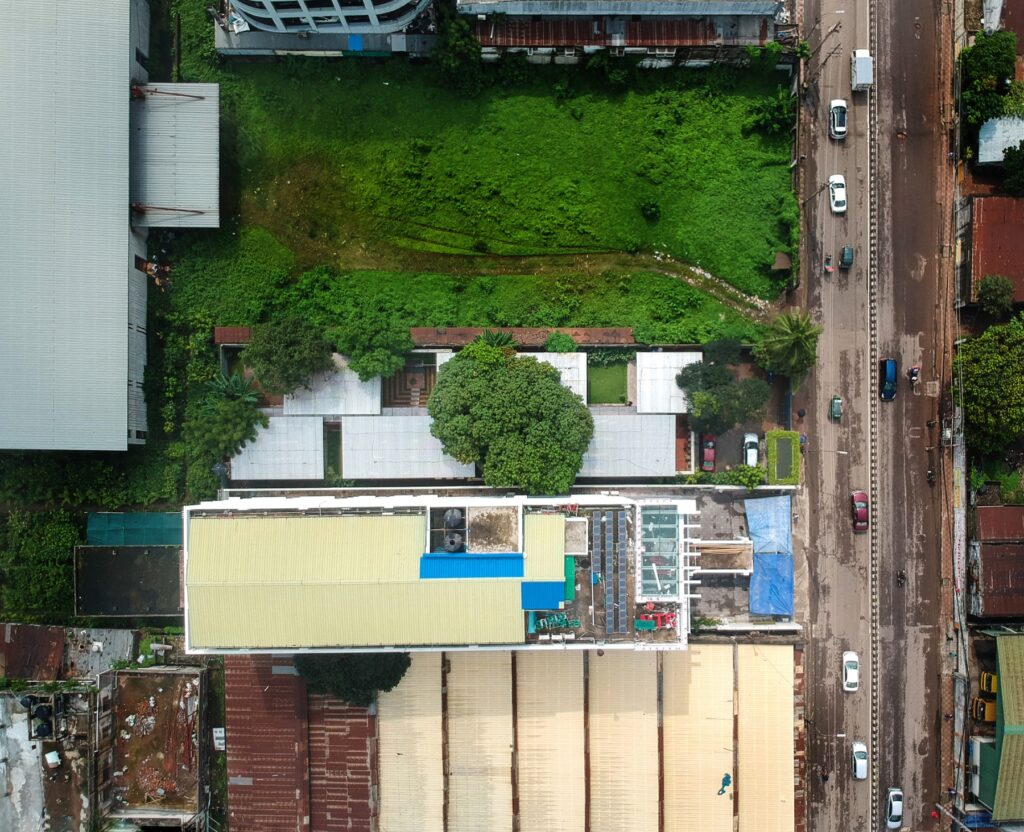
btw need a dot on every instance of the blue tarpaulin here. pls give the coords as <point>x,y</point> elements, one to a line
<point>140,528</point>
<point>543,595</point>
<point>462,565</point>
<point>771,585</point>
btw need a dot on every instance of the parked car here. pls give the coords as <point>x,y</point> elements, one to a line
<point>846,257</point>
<point>851,672</point>
<point>707,458</point>
<point>835,408</point>
<point>988,682</point>
<point>860,761</point>
<point>837,193</point>
<point>837,113</point>
<point>859,510</point>
<point>750,449</point>
<point>888,374</point>
<point>894,809</point>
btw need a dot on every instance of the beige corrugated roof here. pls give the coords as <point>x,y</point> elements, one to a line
<point>697,713</point>
<point>623,726</point>
<point>355,615</point>
<point>409,750</point>
<point>301,549</point>
<point>544,547</point>
<point>480,742</point>
<point>549,734</point>
<point>765,773</point>
<point>1009,799</point>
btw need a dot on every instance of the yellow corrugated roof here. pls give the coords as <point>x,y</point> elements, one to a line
<point>544,547</point>
<point>299,549</point>
<point>355,615</point>
<point>765,773</point>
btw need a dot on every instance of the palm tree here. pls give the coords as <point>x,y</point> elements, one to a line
<point>789,345</point>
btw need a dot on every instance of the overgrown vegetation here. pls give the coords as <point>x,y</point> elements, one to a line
<point>718,399</point>
<point>774,439</point>
<point>986,68</point>
<point>995,293</point>
<point>37,565</point>
<point>741,475</point>
<point>284,354</point>
<point>354,677</point>
<point>512,416</point>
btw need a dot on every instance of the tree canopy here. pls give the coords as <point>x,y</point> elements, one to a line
<point>718,400</point>
<point>286,353</point>
<point>789,345</point>
<point>990,369</point>
<point>512,416</point>
<point>986,68</point>
<point>354,677</point>
<point>995,295</point>
<point>376,344</point>
<point>1013,170</point>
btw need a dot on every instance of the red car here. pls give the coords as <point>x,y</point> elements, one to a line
<point>707,459</point>
<point>859,510</point>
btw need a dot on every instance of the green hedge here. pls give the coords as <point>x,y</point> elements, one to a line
<point>774,438</point>
<point>37,565</point>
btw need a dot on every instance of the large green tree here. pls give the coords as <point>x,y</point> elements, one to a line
<point>995,295</point>
<point>717,399</point>
<point>789,345</point>
<point>354,677</point>
<point>375,344</point>
<point>987,67</point>
<point>286,353</point>
<point>512,416</point>
<point>1013,170</point>
<point>990,371</point>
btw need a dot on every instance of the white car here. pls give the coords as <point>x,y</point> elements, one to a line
<point>894,809</point>
<point>860,761</point>
<point>837,126</point>
<point>837,193</point>
<point>851,672</point>
<point>750,449</point>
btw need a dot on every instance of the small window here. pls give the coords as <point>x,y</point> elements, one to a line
<point>141,59</point>
<point>140,263</point>
<point>140,434</point>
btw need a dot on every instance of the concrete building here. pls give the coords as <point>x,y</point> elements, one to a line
<point>93,156</point>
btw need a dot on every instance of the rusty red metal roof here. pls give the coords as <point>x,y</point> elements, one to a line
<point>30,651</point>
<point>459,336</point>
<point>341,765</point>
<point>267,745</point>
<point>997,243</point>
<point>231,335</point>
<point>1004,523</point>
<point>594,31</point>
<point>1001,580</point>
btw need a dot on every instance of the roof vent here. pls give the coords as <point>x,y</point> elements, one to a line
<point>453,519</point>
<point>453,542</point>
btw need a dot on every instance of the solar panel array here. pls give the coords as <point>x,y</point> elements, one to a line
<point>622,561</point>
<point>609,572</point>
<point>609,565</point>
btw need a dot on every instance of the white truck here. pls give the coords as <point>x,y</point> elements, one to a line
<point>862,70</point>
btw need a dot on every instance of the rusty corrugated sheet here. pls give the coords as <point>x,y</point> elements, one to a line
<point>997,244</point>
<point>231,335</point>
<point>267,745</point>
<point>1004,523</point>
<point>29,651</point>
<point>1002,580</point>
<point>342,740</point>
<point>459,336</point>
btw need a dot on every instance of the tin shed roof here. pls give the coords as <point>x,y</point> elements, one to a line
<point>997,244</point>
<point>1009,798</point>
<point>999,523</point>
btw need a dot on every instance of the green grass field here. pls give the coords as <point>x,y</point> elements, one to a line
<point>606,385</point>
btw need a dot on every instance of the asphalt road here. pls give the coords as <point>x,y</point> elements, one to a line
<point>886,455</point>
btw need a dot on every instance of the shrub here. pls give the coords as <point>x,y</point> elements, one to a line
<point>742,475</point>
<point>560,342</point>
<point>774,114</point>
<point>497,339</point>
<point>773,439</point>
<point>650,210</point>
<point>222,428</point>
<point>234,387</point>
<point>37,565</point>
<point>1013,170</point>
<point>285,354</point>
<point>354,677</point>
<point>375,343</point>
<point>995,295</point>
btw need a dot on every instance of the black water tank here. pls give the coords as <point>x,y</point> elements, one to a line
<point>44,728</point>
<point>43,712</point>
<point>26,702</point>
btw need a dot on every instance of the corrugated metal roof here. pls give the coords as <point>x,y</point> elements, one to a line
<point>1001,580</point>
<point>289,448</point>
<point>697,713</point>
<point>549,736</point>
<point>29,651</point>
<point>65,246</point>
<point>1009,799</point>
<point>395,447</point>
<point>544,546</point>
<point>340,393</point>
<point>232,335</point>
<point>571,366</point>
<point>410,750</point>
<point>623,729</point>
<point>480,742</point>
<point>443,565</point>
<point>656,388</point>
<point>766,748</point>
<point>1004,523</point>
<point>996,135</point>
<point>341,765</point>
<point>543,595</point>
<point>996,242</point>
<point>626,8</point>
<point>175,155</point>
<point>266,730</point>
<point>627,444</point>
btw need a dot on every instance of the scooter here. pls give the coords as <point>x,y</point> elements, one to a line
<point>931,475</point>
<point>915,376</point>
<point>901,578</point>
<point>828,264</point>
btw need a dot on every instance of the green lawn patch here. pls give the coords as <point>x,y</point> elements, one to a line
<point>606,385</point>
<point>783,457</point>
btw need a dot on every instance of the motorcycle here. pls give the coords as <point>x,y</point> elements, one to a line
<point>901,578</point>
<point>931,475</point>
<point>828,264</point>
<point>915,376</point>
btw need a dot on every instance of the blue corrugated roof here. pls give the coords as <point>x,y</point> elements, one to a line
<point>463,565</point>
<point>543,595</point>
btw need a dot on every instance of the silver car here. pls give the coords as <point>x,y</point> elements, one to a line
<point>851,672</point>
<point>894,809</point>
<point>860,761</point>
<point>837,113</point>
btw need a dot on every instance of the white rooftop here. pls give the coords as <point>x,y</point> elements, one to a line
<point>289,448</point>
<point>571,366</point>
<point>64,213</point>
<point>340,393</point>
<point>656,388</point>
<point>395,447</point>
<point>628,444</point>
